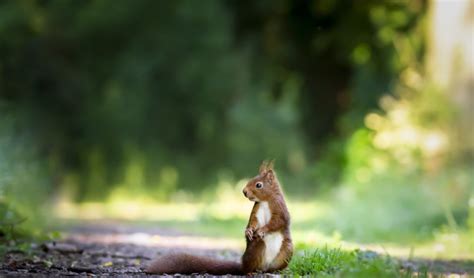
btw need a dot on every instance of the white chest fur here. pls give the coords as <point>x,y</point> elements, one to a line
<point>273,240</point>
<point>263,214</point>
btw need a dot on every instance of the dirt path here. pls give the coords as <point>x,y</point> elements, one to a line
<point>118,249</point>
<point>110,249</point>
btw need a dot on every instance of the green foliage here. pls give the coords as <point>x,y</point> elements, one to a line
<point>400,162</point>
<point>24,180</point>
<point>9,222</point>
<point>470,226</point>
<point>401,210</point>
<point>18,232</point>
<point>15,233</point>
<point>346,55</point>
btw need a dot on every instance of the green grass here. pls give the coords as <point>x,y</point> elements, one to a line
<point>334,262</point>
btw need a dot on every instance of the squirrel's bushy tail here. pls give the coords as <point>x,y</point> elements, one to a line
<point>187,264</point>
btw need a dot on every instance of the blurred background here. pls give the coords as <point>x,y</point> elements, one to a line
<point>159,111</point>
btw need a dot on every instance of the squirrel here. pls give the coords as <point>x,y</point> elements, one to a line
<point>269,246</point>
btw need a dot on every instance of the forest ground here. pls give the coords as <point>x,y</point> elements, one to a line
<point>117,248</point>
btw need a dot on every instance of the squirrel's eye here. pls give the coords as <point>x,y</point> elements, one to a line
<point>258,185</point>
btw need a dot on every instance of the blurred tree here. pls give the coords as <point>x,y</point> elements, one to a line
<point>119,92</point>
<point>346,54</point>
<point>100,78</point>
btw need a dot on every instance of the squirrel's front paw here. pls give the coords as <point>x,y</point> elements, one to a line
<point>249,233</point>
<point>260,233</point>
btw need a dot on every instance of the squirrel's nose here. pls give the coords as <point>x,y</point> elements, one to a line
<point>245,192</point>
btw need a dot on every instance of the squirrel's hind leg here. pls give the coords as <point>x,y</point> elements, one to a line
<point>253,258</point>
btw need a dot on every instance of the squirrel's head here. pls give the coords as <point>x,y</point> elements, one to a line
<point>264,186</point>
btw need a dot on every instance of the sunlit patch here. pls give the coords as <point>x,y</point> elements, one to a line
<point>131,210</point>
<point>373,121</point>
<point>225,209</point>
<point>434,143</point>
<point>153,240</point>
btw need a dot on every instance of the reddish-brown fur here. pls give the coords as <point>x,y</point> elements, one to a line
<point>189,264</point>
<point>253,259</point>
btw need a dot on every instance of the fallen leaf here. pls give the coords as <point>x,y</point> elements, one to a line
<point>107,264</point>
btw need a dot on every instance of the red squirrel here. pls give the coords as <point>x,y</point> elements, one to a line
<point>269,247</point>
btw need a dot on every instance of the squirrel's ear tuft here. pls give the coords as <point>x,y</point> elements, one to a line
<point>270,164</point>
<point>266,166</point>
<point>263,168</point>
